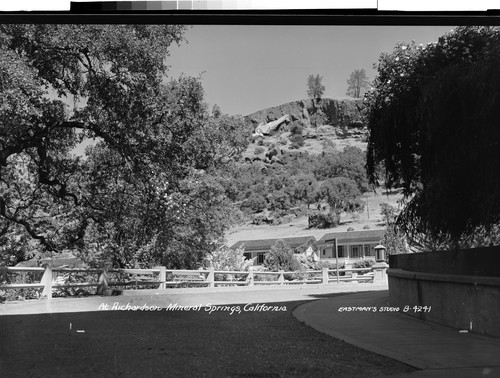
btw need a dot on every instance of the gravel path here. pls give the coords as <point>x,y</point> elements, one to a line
<point>179,344</point>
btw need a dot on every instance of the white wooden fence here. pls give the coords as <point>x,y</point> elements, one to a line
<point>162,278</point>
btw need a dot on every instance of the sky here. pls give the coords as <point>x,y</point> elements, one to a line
<point>245,68</point>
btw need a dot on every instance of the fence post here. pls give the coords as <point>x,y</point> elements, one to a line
<point>250,276</point>
<point>162,277</point>
<point>354,277</point>
<point>211,277</point>
<point>325,276</point>
<point>103,281</point>
<point>281,279</point>
<point>379,272</point>
<point>47,282</point>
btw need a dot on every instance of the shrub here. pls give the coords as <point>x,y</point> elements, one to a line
<point>331,266</point>
<point>259,150</point>
<point>366,227</point>
<point>350,229</point>
<point>296,129</point>
<point>256,202</point>
<point>281,257</point>
<point>225,258</point>
<point>259,219</point>
<point>363,264</point>
<point>323,220</point>
<point>297,141</point>
<point>327,144</point>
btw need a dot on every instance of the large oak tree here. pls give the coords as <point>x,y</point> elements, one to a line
<point>146,192</point>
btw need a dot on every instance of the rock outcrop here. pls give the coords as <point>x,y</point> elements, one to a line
<point>340,113</point>
<point>267,128</point>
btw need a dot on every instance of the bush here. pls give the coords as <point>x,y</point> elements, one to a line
<point>323,220</point>
<point>228,259</point>
<point>259,150</point>
<point>350,229</point>
<point>363,264</point>
<point>259,219</point>
<point>297,129</point>
<point>327,144</point>
<point>256,202</point>
<point>330,266</point>
<point>297,141</point>
<point>281,257</point>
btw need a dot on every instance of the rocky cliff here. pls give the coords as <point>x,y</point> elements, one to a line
<point>344,113</point>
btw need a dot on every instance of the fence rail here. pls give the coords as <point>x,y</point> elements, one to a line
<point>162,278</point>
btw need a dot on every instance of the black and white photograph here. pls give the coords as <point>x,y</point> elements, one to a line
<point>263,198</point>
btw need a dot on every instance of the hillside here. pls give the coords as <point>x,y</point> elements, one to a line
<point>370,217</point>
<point>324,127</point>
<point>341,113</point>
<point>329,124</point>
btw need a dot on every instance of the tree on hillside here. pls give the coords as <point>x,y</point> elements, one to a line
<point>357,83</point>
<point>314,87</point>
<point>281,257</point>
<point>151,190</point>
<point>342,195</point>
<point>349,163</point>
<point>433,120</point>
<point>306,188</point>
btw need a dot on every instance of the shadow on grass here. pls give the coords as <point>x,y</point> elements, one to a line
<point>180,343</point>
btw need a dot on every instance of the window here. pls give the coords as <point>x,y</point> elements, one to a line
<point>247,255</point>
<point>341,250</point>
<point>368,251</point>
<point>355,251</point>
<point>260,258</point>
<point>324,252</point>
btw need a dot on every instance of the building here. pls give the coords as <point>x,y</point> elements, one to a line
<point>256,249</point>
<point>351,245</point>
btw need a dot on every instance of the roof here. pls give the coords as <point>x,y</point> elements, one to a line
<point>265,244</point>
<point>353,236</point>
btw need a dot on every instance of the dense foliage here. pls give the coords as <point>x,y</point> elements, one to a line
<point>150,190</point>
<point>433,122</point>
<point>333,178</point>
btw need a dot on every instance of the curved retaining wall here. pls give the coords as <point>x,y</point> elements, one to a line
<point>461,287</point>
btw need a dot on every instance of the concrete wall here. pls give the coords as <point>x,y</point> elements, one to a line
<point>462,288</point>
<point>475,261</point>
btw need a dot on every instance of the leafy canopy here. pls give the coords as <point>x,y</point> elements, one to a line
<point>151,188</point>
<point>433,123</point>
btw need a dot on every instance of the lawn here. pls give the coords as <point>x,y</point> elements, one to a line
<point>179,344</point>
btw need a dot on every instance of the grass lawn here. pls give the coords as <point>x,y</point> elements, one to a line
<point>179,344</point>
